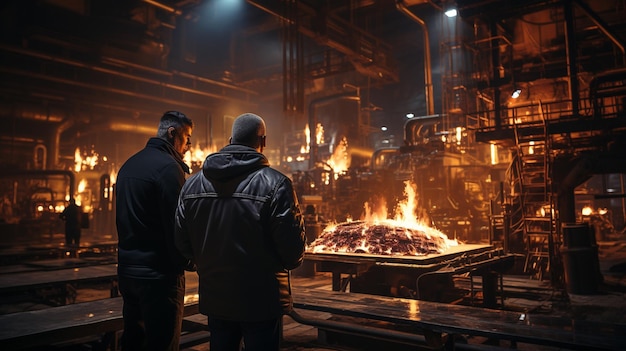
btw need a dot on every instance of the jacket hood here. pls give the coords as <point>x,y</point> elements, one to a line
<point>165,146</point>
<point>232,161</point>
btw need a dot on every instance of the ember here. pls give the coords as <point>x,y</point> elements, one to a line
<point>385,238</point>
<point>404,236</point>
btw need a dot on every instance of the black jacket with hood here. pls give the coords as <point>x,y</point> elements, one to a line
<point>239,220</point>
<point>147,190</point>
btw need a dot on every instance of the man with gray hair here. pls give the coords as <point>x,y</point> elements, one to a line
<point>240,222</point>
<point>150,269</point>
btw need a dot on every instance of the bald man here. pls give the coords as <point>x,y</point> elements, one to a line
<point>240,222</point>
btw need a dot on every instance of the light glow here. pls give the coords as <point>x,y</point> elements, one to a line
<point>494,154</point>
<point>516,93</point>
<point>451,13</point>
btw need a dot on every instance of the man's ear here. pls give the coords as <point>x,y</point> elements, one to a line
<point>171,133</point>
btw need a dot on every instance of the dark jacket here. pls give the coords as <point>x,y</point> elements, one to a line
<point>239,219</point>
<point>72,216</point>
<point>147,190</point>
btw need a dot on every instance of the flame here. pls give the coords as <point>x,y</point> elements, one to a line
<point>82,185</point>
<point>78,160</point>
<point>113,177</point>
<point>307,133</point>
<point>405,223</point>
<point>196,155</point>
<point>88,162</point>
<point>319,137</point>
<point>340,160</point>
<point>319,134</point>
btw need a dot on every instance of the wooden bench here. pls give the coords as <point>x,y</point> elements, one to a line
<point>439,323</point>
<point>58,287</point>
<point>62,324</point>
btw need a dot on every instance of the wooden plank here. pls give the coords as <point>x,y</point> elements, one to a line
<point>60,324</point>
<point>456,319</point>
<point>53,325</point>
<point>32,280</point>
<point>57,263</point>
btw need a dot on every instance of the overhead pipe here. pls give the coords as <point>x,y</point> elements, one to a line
<point>413,127</point>
<point>164,7</point>
<point>271,12</point>
<point>428,80</point>
<point>120,91</point>
<point>95,68</point>
<point>603,27</point>
<point>38,173</point>
<point>62,122</point>
<point>170,74</point>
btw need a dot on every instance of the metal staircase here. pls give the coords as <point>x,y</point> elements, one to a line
<point>533,219</point>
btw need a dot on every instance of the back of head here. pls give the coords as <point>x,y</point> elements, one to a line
<point>172,119</point>
<point>249,130</point>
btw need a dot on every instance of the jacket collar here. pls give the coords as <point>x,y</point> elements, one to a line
<point>165,146</point>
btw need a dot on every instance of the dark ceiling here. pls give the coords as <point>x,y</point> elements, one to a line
<point>98,73</point>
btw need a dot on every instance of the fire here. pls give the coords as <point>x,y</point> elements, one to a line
<point>196,155</point>
<point>405,235</point>
<point>88,162</point>
<point>319,137</point>
<point>319,134</point>
<point>340,159</point>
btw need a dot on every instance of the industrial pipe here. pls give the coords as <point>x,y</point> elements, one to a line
<point>571,51</point>
<point>428,79</point>
<point>131,77</point>
<point>55,141</point>
<point>69,174</point>
<point>578,174</point>
<point>603,27</point>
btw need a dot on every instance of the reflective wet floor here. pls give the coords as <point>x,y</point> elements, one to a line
<point>607,304</point>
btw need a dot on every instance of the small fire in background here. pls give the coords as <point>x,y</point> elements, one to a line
<point>319,137</point>
<point>340,159</point>
<point>86,161</point>
<point>406,235</point>
<point>196,155</point>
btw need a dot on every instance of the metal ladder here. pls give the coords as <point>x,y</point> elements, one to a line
<point>532,185</point>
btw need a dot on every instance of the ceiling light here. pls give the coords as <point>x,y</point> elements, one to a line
<point>451,13</point>
<point>516,93</point>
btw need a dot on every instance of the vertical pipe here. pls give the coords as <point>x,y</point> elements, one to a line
<point>428,80</point>
<point>55,142</point>
<point>495,62</point>
<point>506,220</point>
<point>570,48</point>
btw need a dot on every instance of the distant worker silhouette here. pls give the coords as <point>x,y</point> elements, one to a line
<point>71,215</point>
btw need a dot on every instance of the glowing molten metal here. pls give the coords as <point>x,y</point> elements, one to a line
<point>403,236</point>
